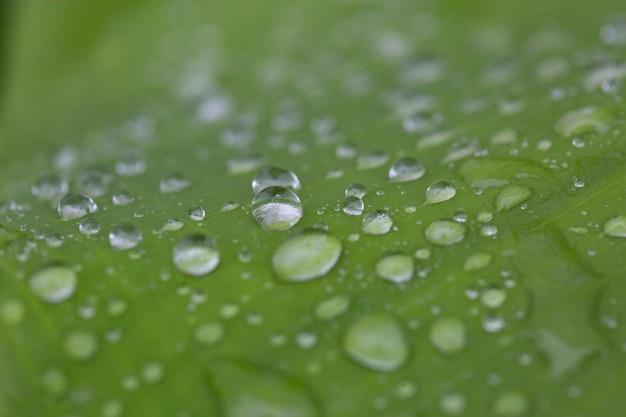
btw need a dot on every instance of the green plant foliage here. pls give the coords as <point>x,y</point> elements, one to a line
<point>445,235</point>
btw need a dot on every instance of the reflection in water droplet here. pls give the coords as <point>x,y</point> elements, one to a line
<point>173,183</point>
<point>448,335</point>
<point>124,236</point>
<point>397,268</point>
<point>276,208</point>
<point>89,226</point>
<point>54,284</point>
<point>274,176</point>
<point>510,404</point>
<point>376,341</point>
<point>477,261</point>
<point>196,213</point>
<point>615,227</point>
<point>445,232</point>
<point>356,190</point>
<point>196,255</point>
<point>439,192</point>
<point>75,206</point>
<point>376,223</point>
<point>332,307</point>
<point>512,196</point>
<point>49,187</point>
<point>372,159</point>
<point>306,256</point>
<point>81,345</point>
<point>406,169</point>
<point>353,206</point>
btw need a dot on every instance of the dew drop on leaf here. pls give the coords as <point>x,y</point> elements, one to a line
<point>452,403</point>
<point>439,192</point>
<point>406,169</point>
<point>376,341</point>
<point>124,236</point>
<point>445,232</point>
<point>275,177</point>
<point>49,187</point>
<point>112,408</point>
<point>75,206</point>
<point>512,196</point>
<point>493,323</point>
<point>484,217</point>
<point>376,223</point>
<point>395,267</point>
<point>615,227</point>
<point>130,165</point>
<point>353,206</point>
<point>89,226</point>
<point>94,182</point>
<point>54,381</point>
<point>371,159</point>
<point>12,312</point>
<point>493,297</point>
<point>122,198</point>
<point>54,284</point>
<point>356,190</point>
<point>173,183</point>
<point>276,208</point>
<point>510,404</point>
<point>332,307</point>
<point>448,335</point>
<point>585,120</point>
<point>196,213</point>
<point>209,334</point>
<point>81,345</point>
<point>477,261</point>
<point>196,255</point>
<point>306,256</point>
<point>152,373</point>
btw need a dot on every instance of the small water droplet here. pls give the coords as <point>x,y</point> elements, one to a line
<point>124,236</point>
<point>173,183</point>
<point>448,335</point>
<point>152,373</point>
<point>276,208</point>
<point>275,177</point>
<point>510,404</point>
<point>406,169</point>
<point>512,196</point>
<point>196,255</point>
<point>332,307</point>
<point>89,226</point>
<point>615,227</point>
<point>94,182</point>
<point>54,381</point>
<point>116,307</point>
<point>452,403</point>
<point>493,297</point>
<point>196,213</point>
<point>445,232</point>
<point>210,333</point>
<point>488,230</point>
<point>306,339</point>
<point>122,198</point>
<point>484,217</point>
<point>49,187</point>
<point>81,345</point>
<point>12,312</point>
<point>229,310</point>
<point>229,206</point>
<point>372,159</point>
<point>613,32</point>
<point>353,206</point>
<point>439,192</point>
<point>376,223</point>
<point>422,253</point>
<point>130,165</point>
<point>396,267</point>
<point>356,190</point>
<point>405,390</point>
<point>54,284</point>
<point>493,323</point>
<point>112,408</point>
<point>75,206</point>
<point>377,342</point>
<point>477,261</point>
<point>306,256</point>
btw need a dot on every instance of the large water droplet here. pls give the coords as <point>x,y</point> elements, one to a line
<point>81,345</point>
<point>376,223</point>
<point>124,236</point>
<point>512,196</point>
<point>75,206</point>
<point>448,335</point>
<point>306,256</point>
<point>585,120</point>
<point>54,284</point>
<point>615,227</point>
<point>196,255</point>
<point>406,169</point>
<point>396,267</point>
<point>49,187</point>
<point>173,183</point>
<point>356,190</point>
<point>376,341</point>
<point>275,177</point>
<point>353,206</point>
<point>445,232</point>
<point>439,192</point>
<point>276,208</point>
<point>332,307</point>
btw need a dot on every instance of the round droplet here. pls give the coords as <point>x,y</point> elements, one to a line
<point>210,333</point>
<point>124,236</point>
<point>116,307</point>
<point>445,232</point>
<point>371,160</point>
<point>488,230</point>
<point>332,307</point>
<point>439,192</point>
<point>81,345</point>
<point>75,206</point>
<point>448,335</point>
<point>452,403</point>
<point>512,196</point>
<point>615,227</point>
<point>196,255</point>
<point>356,190</point>
<point>493,323</point>
<point>130,165</point>
<point>306,256</point>
<point>276,208</point>
<point>94,182</point>
<point>89,226</point>
<point>54,284</point>
<point>477,261</point>
<point>54,381</point>
<point>484,217</point>
<point>397,268</point>
<point>406,169</point>
<point>376,223</point>
<point>493,297</point>
<point>422,253</point>
<point>585,120</point>
<point>306,340</point>
<point>275,177</point>
<point>376,341</point>
<point>49,187</point>
<point>353,206</point>
<point>152,373</point>
<point>174,183</point>
<point>12,312</point>
<point>122,198</point>
<point>196,213</point>
<point>510,404</point>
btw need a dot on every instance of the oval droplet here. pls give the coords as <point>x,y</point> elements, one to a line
<point>210,333</point>
<point>54,284</point>
<point>332,307</point>
<point>406,169</point>
<point>376,223</point>
<point>493,297</point>
<point>275,177</point>
<point>276,208</point>
<point>89,226</point>
<point>196,213</point>
<point>512,196</point>
<point>306,256</point>
<point>448,335</point>
<point>49,187</point>
<point>445,232</point>
<point>372,159</point>
<point>353,206</point>
<point>615,227</point>
<point>396,267</point>
<point>75,206</point>
<point>124,236</point>
<point>477,261</point>
<point>196,255</point>
<point>376,341</point>
<point>81,345</point>
<point>173,183</point>
<point>122,198</point>
<point>439,192</point>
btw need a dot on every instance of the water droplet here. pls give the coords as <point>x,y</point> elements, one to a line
<point>229,206</point>
<point>376,223</point>
<point>585,120</point>
<point>448,335</point>
<point>445,232</point>
<point>112,408</point>
<point>396,267</point>
<point>49,187</point>
<point>353,206</point>
<point>510,404</point>
<point>493,323</point>
<point>54,381</point>
<point>306,340</point>
<point>615,227</point>
<point>210,333</point>
<point>173,183</point>
<point>376,341</point>
<point>275,177</point>
<point>124,236</point>
<point>422,253</point>
<point>276,208</point>
<point>512,196</point>
<point>493,297</point>
<point>452,403</point>
<point>614,30</point>
<point>372,159</point>
<point>75,206</point>
<point>439,192</point>
<point>130,165</point>
<point>488,230</point>
<point>12,312</point>
<point>54,284</point>
<point>484,217</point>
<point>130,383</point>
<point>122,198</point>
<point>94,182</point>
<point>196,255</point>
<point>89,226</point>
<point>356,190</point>
<point>152,373</point>
<point>116,307</point>
<point>332,307</point>
<point>405,390</point>
<point>196,213</point>
<point>81,345</point>
<point>311,254</point>
<point>406,169</point>
<point>477,261</point>
<point>229,310</point>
